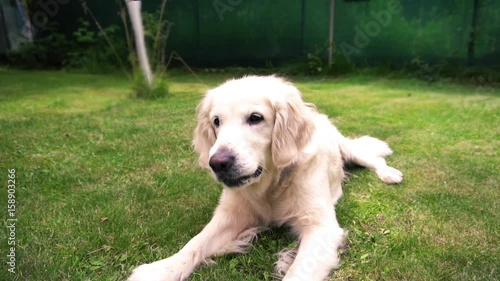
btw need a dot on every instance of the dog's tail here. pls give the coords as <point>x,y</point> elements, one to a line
<point>370,152</point>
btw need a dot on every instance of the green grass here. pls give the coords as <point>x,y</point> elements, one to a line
<point>106,182</point>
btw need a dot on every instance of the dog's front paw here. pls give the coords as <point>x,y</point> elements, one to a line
<point>148,272</point>
<point>390,175</point>
<point>175,268</point>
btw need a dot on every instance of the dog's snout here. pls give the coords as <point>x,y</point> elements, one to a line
<point>221,161</point>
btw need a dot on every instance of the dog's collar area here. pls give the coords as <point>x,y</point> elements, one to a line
<point>229,182</point>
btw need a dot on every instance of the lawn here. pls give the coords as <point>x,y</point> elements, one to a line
<point>105,182</point>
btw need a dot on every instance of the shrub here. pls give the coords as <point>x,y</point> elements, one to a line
<point>49,50</point>
<point>142,90</point>
<point>93,54</point>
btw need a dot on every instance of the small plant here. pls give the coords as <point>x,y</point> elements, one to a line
<point>315,63</point>
<point>142,90</point>
<point>315,60</point>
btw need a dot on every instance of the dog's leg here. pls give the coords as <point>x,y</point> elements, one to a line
<point>370,153</point>
<point>231,229</point>
<point>317,254</point>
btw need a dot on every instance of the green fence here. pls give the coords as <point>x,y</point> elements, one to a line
<point>250,32</point>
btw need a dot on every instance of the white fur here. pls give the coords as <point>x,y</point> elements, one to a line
<point>302,156</point>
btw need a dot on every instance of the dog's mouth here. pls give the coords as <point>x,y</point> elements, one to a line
<point>237,182</point>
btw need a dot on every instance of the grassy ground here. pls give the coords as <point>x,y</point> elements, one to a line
<point>105,182</point>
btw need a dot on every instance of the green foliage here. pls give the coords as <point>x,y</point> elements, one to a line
<point>315,63</point>
<point>83,34</point>
<point>315,60</point>
<point>142,90</point>
<point>87,50</point>
<point>341,66</point>
<point>49,50</point>
<point>156,33</point>
<point>92,53</point>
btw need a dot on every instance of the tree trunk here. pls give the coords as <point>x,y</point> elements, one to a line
<point>134,11</point>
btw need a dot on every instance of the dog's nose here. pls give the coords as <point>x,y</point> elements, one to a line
<point>221,161</point>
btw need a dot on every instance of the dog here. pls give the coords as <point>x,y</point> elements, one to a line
<point>280,163</point>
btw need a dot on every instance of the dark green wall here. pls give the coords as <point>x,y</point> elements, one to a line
<point>250,32</point>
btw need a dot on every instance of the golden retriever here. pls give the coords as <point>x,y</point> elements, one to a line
<point>280,162</point>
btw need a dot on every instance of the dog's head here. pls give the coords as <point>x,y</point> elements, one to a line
<point>251,127</point>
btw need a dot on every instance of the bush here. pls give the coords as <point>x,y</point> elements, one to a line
<point>86,50</point>
<point>93,54</point>
<point>142,89</point>
<point>49,50</point>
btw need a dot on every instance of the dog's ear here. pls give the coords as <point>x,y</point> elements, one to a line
<point>204,134</point>
<point>293,128</point>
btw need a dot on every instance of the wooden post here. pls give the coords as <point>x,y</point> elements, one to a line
<point>330,38</point>
<point>472,33</point>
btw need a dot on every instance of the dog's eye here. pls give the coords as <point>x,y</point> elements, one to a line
<point>216,121</point>
<point>254,118</point>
